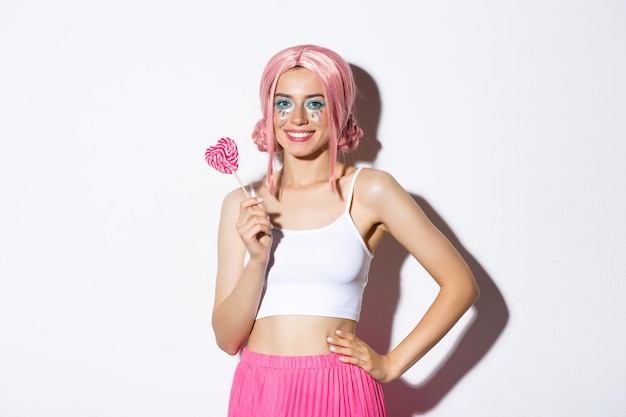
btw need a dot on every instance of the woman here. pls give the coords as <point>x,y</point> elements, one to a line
<point>293,258</point>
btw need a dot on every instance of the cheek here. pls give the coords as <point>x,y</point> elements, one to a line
<point>280,116</point>
<point>319,117</point>
<point>316,115</point>
<point>278,121</point>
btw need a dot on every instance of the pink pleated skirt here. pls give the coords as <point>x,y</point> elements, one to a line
<point>303,386</point>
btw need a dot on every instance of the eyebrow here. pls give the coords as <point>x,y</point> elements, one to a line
<point>307,96</point>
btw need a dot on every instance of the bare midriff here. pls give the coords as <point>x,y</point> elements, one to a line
<point>295,335</point>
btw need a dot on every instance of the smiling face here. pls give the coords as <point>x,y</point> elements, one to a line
<point>300,114</point>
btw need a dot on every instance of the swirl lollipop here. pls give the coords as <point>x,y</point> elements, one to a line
<point>224,157</point>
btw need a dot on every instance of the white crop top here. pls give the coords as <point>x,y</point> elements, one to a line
<point>317,272</point>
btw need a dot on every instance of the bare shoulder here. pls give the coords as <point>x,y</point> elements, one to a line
<point>374,185</point>
<point>230,209</point>
<point>234,197</point>
<point>230,203</point>
<point>385,201</point>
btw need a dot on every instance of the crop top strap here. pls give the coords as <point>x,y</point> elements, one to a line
<point>351,192</point>
<point>252,192</point>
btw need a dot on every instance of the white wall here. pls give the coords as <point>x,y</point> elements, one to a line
<point>505,120</point>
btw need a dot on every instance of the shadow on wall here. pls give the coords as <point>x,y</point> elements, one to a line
<point>383,291</point>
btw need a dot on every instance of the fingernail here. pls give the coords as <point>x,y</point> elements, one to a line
<point>338,332</point>
<point>332,348</point>
<point>329,339</point>
<point>259,199</point>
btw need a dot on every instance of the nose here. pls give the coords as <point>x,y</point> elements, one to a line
<point>299,116</point>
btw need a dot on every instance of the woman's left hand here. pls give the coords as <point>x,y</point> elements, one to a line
<point>354,351</point>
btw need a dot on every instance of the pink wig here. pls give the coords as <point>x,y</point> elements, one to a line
<point>339,88</point>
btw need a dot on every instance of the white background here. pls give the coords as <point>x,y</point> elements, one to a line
<point>505,120</point>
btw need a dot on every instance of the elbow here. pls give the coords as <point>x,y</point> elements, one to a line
<point>467,291</point>
<point>473,292</point>
<point>230,335</point>
<point>230,349</point>
<point>226,342</point>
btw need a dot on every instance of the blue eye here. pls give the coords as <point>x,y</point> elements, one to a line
<point>315,105</point>
<point>283,105</point>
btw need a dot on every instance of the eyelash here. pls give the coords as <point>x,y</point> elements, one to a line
<point>311,105</point>
<point>315,105</point>
<point>283,105</point>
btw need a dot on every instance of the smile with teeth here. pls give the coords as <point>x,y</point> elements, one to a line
<point>299,136</point>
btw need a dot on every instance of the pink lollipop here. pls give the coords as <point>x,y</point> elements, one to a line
<point>224,157</point>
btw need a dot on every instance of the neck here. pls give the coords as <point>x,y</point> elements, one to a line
<point>300,173</point>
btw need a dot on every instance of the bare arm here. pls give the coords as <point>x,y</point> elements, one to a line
<point>395,211</point>
<point>243,226</point>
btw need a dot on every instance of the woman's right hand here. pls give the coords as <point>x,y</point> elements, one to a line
<point>254,229</point>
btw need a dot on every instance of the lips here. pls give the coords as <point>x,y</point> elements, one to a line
<point>299,136</point>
